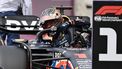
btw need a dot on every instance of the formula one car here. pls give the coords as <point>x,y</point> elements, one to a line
<point>32,54</point>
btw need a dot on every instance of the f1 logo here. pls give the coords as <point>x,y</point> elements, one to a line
<point>117,10</point>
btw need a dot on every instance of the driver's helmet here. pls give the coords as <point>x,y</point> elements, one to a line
<point>50,17</point>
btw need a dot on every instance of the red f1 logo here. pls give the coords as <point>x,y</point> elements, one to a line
<point>117,10</point>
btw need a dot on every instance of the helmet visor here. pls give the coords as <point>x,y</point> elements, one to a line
<point>49,23</point>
